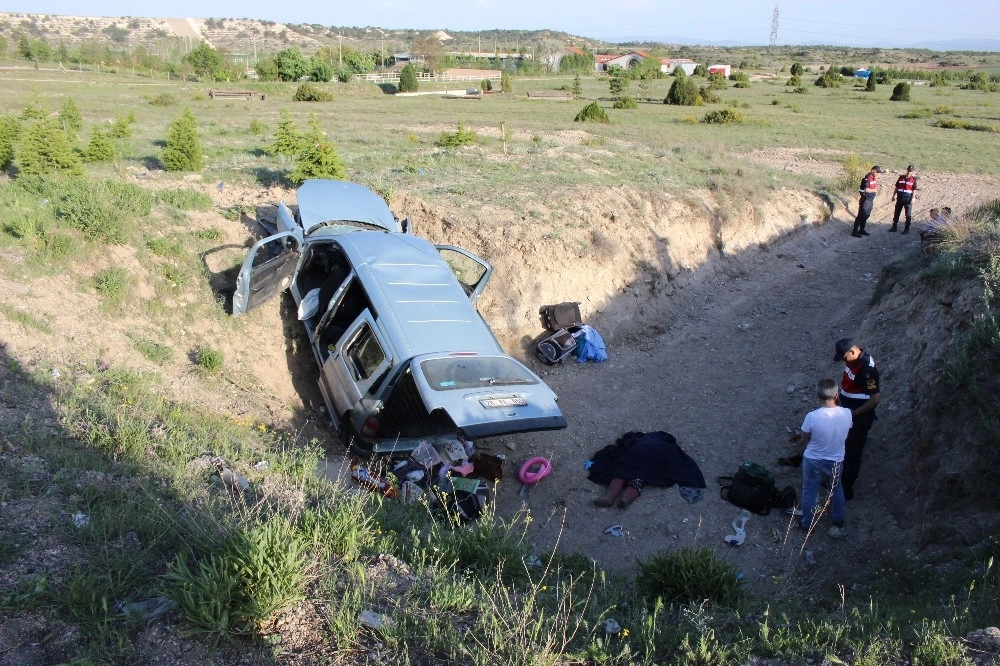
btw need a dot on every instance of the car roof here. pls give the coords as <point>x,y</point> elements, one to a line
<point>419,301</point>
<point>323,201</point>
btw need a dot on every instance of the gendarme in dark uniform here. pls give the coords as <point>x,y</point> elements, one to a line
<point>866,200</point>
<point>861,393</point>
<point>906,185</point>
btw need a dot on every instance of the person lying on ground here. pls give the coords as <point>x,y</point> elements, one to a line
<point>935,225</point>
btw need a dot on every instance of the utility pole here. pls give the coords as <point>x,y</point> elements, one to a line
<point>774,30</point>
<point>340,47</point>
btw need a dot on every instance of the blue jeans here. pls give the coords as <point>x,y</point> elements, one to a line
<point>813,471</point>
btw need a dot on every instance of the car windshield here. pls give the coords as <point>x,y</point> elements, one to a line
<point>470,372</point>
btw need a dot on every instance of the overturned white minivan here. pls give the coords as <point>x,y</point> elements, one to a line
<point>404,355</point>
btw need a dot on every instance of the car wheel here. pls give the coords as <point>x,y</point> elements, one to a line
<point>350,436</point>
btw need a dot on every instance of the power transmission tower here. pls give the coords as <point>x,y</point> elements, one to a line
<point>774,29</point>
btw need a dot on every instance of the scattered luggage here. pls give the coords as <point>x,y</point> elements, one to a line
<point>750,488</point>
<point>561,315</point>
<point>558,346</point>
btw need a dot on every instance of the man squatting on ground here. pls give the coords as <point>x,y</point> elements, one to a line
<point>866,200</point>
<point>906,185</point>
<point>859,392</point>
<point>824,431</point>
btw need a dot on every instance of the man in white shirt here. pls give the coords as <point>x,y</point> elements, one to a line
<point>824,432</point>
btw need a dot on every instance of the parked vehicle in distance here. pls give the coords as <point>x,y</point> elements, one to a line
<point>403,354</point>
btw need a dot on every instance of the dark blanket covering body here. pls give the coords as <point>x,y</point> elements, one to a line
<point>653,457</point>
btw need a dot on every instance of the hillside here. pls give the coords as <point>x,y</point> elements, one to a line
<point>716,261</point>
<point>254,37</point>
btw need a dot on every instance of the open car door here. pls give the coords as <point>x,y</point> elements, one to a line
<point>267,271</point>
<point>472,272</point>
<point>486,396</point>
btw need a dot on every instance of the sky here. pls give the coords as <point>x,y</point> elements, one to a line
<point>851,22</point>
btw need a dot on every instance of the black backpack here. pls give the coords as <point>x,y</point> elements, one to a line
<point>750,488</point>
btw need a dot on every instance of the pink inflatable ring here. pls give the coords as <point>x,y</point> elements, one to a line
<point>534,470</point>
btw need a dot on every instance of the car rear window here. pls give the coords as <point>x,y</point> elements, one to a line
<point>467,372</point>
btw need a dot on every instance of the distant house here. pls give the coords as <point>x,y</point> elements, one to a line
<point>725,70</point>
<point>403,58</point>
<point>668,65</point>
<point>605,61</point>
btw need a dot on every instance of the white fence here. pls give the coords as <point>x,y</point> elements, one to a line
<point>393,77</point>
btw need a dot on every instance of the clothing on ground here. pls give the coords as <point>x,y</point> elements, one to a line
<point>590,346</point>
<point>653,457</point>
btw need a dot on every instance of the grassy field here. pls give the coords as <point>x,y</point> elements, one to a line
<point>389,141</point>
<point>163,521</point>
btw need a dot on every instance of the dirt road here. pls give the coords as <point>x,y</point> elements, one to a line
<point>727,369</point>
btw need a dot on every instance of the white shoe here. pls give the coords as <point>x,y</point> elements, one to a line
<point>739,526</point>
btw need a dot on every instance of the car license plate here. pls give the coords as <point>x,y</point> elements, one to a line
<point>503,402</point>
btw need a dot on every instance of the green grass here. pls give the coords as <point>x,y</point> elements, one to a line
<point>113,285</point>
<point>26,319</point>
<point>154,351</point>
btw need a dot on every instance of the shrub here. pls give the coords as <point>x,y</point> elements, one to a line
<point>853,171</point>
<point>288,141</point>
<point>978,81</point>
<point>69,114</point>
<point>318,160</point>
<point>831,78</point>
<point>939,79</point>
<point>460,137</point>
<point>307,92</point>
<point>163,99</point>
<point>795,80</point>
<point>901,93</point>
<point>956,123</point>
<point>235,591</point>
<point>684,92</point>
<point>592,113</point>
<point>183,149</point>
<point>723,117</point>
<point>626,102</point>
<point>688,575</point>
<point>709,96</point>
<point>486,85</point>
<point>10,130</point>
<point>700,70</point>
<point>100,209</point>
<point>207,358</point>
<point>100,148</point>
<point>256,127</point>
<point>577,87</point>
<point>870,83</point>
<point>717,81</point>
<point>506,82</point>
<point>185,199</point>
<point>797,69</point>
<point>121,128</point>
<point>46,148</point>
<point>408,79</point>
<point>113,285</point>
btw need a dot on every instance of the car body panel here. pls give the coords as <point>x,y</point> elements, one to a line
<point>267,271</point>
<point>324,202</point>
<point>395,318</point>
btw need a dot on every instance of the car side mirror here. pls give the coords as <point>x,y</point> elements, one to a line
<point>407,225</point>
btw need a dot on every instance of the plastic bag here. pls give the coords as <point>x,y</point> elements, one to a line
<point>309,304</point>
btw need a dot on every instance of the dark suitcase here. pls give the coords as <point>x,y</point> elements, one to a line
<point>557,346</point>
<point>561,315</point>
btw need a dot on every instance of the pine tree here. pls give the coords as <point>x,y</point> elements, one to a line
<point>10,130</point>
<point>70,116</point>
<point>319,160</point>
<point>408,79</point>
<point>506,82</point>
<point>100,148</point>
<point>183,151</point>
<point>46,148</point>
<point>287,139</point>
<point>577,87</point>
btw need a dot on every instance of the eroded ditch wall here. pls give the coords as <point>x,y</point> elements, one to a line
<point>619,251</point>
